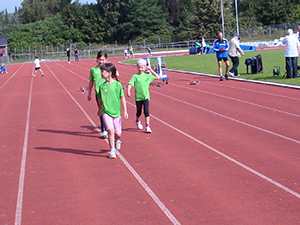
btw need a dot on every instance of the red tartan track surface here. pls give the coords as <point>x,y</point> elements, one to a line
<point>220,152</point>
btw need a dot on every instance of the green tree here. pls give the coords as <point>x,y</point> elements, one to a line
<point>273,11</point>
<point>35,10</point>
<point>87,20</point>
<point>145,19</point>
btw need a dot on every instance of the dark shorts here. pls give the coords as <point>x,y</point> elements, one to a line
<point>37,68</point>
<point>225,59</point>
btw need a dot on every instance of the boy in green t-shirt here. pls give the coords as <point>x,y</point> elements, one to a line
<point>141,81</point>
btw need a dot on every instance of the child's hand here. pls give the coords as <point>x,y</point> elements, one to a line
<point>99,113</point>
<point>126,115</point>
<point>128,94</point>
<point>89,97</point>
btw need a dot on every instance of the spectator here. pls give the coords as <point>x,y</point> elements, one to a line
<point>68,54</point>
<point>292,48</point>
<point>234,53</point>
<point>2,54</point>
<point>203,46</point>
<point>125,52</point>
<point>221,48</point>
<point>198,47</point>
<point>298,33</point>
<point>76,54</point>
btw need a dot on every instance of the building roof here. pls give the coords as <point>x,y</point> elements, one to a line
<point>3,40</point>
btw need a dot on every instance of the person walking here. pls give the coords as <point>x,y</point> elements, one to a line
<point>234,53</point>
<point>221,47</point>
<point>141,81</point>
<point>110,98</point>
<point>96,80</point>
<point>37,66</point>
<point>292,49</point>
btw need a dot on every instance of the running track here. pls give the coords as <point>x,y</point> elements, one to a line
<point>220,152</point>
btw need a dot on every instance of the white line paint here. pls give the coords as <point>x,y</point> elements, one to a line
<point>18,216</point>
<point>239,100</point>
<point>129,167</point>
<point>232,160</point>
<point>11,77</point>
<point>229,118</point>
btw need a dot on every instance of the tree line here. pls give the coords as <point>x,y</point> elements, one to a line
<point>54,22</point>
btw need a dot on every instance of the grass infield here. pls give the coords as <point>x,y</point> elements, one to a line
<point>208,64</point>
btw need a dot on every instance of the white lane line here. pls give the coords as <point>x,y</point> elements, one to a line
<point>231,159</point>
<point>239,100</point>
<point>11,77</point>
<point>229,118</point>
<point>18,216</point>
<point>160,204</point>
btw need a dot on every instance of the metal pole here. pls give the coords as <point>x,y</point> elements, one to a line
<point>222,18</point>
<point>237,18</point>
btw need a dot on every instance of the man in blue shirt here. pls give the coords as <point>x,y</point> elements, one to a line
<point>221,47</point>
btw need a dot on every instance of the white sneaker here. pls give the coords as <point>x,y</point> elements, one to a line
<point>104,134</point>
<point>113,153</point>
<point>148,129</point>
<point>118,144</point>
<point>139,125</point>
<point>231,74</point>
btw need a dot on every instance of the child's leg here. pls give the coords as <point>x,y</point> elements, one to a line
<point>111,138</point>
<point>146,112</point>
<point>108,120</point>
<point>139,105</point>
<point>42,72</point>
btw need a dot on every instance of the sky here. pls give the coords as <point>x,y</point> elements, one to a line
<point>11,4</point>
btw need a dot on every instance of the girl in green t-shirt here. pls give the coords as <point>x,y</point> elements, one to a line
<point>110,97</point>
<point>96,80</point>
<point>141,81</point>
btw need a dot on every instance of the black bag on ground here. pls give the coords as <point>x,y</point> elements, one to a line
<point>255,64</point>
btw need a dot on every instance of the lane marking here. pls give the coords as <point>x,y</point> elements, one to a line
<point>231,159</point>
<point>19,207</point>
<point>160,204</point>
<point>11,77</point>
<point>229,118</point>
<point>239,100</point>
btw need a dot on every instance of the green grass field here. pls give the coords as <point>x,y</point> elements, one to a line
<point>208,64</point>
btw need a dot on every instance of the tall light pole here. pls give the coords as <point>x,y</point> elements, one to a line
<point>237,19</point>
<point>222,13</point>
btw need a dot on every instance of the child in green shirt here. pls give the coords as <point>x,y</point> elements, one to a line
<point>110,96</point>
<point>96,80</point>
<point>141,81</point>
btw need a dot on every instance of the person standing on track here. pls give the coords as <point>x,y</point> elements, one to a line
<point>68,54</point>
<point>76,54</point>
<point>37,66</point>
<point>221,47</point>
<point>141,80</point>
<point>110,98</point>
<point>96,80</point>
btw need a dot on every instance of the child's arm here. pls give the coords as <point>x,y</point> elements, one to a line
<point>153,73</point>
<point>100,103</point>
<point>128,90</point>
<point>91,84</point>
<point>123,103</point>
